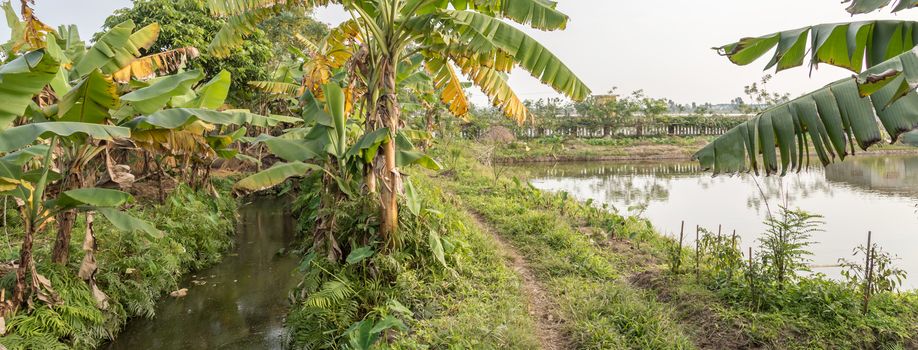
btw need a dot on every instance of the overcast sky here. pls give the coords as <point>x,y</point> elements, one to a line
<point>662,47</point>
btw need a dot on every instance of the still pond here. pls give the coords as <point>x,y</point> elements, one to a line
<point>870,193</point>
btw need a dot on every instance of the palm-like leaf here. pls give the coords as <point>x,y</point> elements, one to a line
<point>117,48</point>
<point>494,84</point>
<point>150,66</point>
<point>485,32</point>
<point>154,97</point>
<point>447,82</point>
<point>539,14</point>
<point>278,88</point>
<point>15,138</point>
<point>243,17</point>
<point>89,101</point>
<point>274,176</point>
<point>848,45</point>
<point>831,120</point>
<point>20,79</point>
<point>865,6</point>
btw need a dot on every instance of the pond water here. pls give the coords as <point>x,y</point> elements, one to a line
<point>864,193</point>
<point>237,304</point>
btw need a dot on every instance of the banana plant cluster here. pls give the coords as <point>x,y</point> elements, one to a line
<point>331,143</point>
<point>72,113</point>
<point>834,121</point>
<point>472,36</point>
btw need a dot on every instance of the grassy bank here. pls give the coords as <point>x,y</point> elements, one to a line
<point>135,270</point>
<point>612,281</point>
<point>560,149</point>
<point>447,286</point>
<point>612,278</point>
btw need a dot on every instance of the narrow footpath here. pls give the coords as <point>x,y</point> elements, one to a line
<point>544,312</point>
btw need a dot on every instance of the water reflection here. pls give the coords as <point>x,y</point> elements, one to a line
<point>860,194</point>
<point>242,300</point>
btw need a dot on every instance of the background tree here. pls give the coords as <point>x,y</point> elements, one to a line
<point>278,31</point>
<point>188,23</point>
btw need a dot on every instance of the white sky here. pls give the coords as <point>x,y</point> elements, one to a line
<point>662,46</point>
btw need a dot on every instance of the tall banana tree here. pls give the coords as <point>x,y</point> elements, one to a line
<point>838,118</point>
<point>470,35</point>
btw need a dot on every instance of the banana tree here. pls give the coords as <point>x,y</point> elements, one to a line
<point>835,118</point>
<point>468,34</point>
<point>26,173</point>
<point>331,145</point>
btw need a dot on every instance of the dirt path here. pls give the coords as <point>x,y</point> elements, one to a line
<point>549,326</point>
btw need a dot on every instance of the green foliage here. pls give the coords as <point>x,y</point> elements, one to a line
<point>885,276</point>
<point>188,23</point>
<point>134,271</point>
<point>784,244</point>
<point>564,251</point>
<point>447,283</point>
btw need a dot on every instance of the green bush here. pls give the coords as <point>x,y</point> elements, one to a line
<point>134,271</point>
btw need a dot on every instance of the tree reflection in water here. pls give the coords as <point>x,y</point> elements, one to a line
<point>855,196</point>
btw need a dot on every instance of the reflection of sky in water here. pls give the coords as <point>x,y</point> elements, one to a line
<point>862,194</point>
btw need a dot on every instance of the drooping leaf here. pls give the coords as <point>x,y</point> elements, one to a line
<point>278,88</point>
<point>368,145</point>
<point>148,67</point>
<point>449,85</point>
<point>291,150</point>
<point>156,96</point>
<point>412,198</point>
<point>20,80</point>
<point>173,118</point>
<point>15,138</point>
<point>359,254</point>
<point>96,197</point>
<point>479,29</point>
<point>274,176</point>
<point>405,155</point>
<point>865,6</point>
<point>494,84</point>
<point>22,156</point>
<point>829,119</point>
<point>853,46</point>
<point>436,246</point>
<point>117,48</point>
<point>129,223</point>
<point>213,94</point>
<point>90,100</point>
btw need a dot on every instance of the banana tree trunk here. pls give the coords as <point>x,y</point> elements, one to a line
<point>60,254</point>
<point>25,264</point>
<point>388,174</point>
<point>429,126</point>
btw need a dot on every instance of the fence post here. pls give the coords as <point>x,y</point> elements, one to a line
<point>697,253</point>
<point>868,272</point>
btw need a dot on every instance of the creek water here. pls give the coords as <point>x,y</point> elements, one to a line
<point>237,304</point>
<point>861,194</point>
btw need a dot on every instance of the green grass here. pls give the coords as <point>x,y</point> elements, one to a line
<point>475,301</point>
<point>558,148</point>
<point>568,245</point>
<point>134,271</point>
<point>601,309</point>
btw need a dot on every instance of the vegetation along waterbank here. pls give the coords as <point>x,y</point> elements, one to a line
<point>123,158</point>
